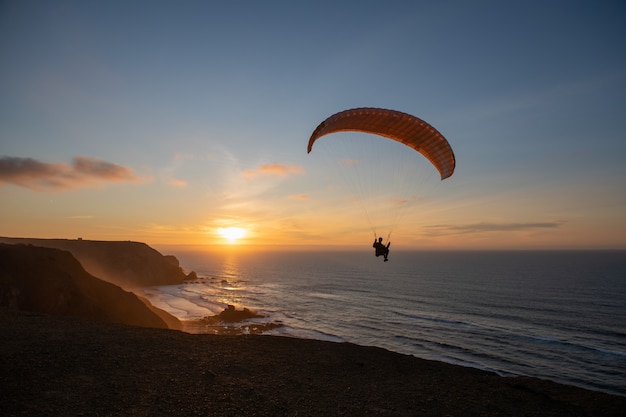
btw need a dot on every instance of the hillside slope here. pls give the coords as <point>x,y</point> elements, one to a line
<point>52,281</point>
<point>124,263</point>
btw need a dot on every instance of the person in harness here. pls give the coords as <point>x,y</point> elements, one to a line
<point>381,249</point>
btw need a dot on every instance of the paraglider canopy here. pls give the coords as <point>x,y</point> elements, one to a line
<point>401,127</point>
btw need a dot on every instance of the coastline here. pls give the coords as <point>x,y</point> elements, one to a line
<point>61,365</point>
<point>72,286</point>
<point>519,340</point>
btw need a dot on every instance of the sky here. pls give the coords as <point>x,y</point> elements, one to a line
<point>168,122</point>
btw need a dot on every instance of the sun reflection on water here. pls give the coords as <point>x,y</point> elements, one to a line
<point>231,280</point>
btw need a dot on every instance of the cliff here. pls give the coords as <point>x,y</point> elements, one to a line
<point>52,281</point>
<point>124,263</point>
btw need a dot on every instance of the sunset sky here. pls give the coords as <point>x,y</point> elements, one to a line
<point>166,121</point>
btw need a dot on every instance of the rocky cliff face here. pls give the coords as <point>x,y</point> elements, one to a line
<point>52,281</point>
<point>124,263</point>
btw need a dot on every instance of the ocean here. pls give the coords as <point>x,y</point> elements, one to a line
<point>556,315</point>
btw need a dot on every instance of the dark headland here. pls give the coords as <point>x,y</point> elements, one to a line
<point>94,364</point>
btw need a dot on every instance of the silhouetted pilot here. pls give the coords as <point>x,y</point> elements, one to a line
<point>381,249</point>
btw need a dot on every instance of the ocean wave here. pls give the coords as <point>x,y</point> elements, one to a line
<point>611,352</point>
<point>473,364</point>
<point>305,333</point>
<point>435,319</point>
<point>554,340</point>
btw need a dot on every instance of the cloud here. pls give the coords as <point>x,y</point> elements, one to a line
<point>177,182</point>
<point>350,162</point>
<point>83,172</point>
<point>275,169</point>
<point>398,202</point>
<point>491,227</point>
<point>299,197</point>
<point>181,156</point>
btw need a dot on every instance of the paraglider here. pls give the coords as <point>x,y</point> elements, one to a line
<point>400,127</point>
<point>381,249</point>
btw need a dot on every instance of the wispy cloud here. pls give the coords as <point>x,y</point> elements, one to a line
<point>82,172</point>
<point>397,202</point>
<point>299,197</point>
<point>349,162</point>
<point>275,169</point>
<point>174,182</point>
<point>444,229</point>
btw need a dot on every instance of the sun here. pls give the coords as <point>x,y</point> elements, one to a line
<point>231,234</point>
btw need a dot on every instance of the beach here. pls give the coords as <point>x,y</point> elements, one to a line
<point>68,366</point>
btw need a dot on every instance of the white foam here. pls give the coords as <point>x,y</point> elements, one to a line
<point>180,302</point>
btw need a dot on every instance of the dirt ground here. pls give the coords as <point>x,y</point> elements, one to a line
<point>63,366</point>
